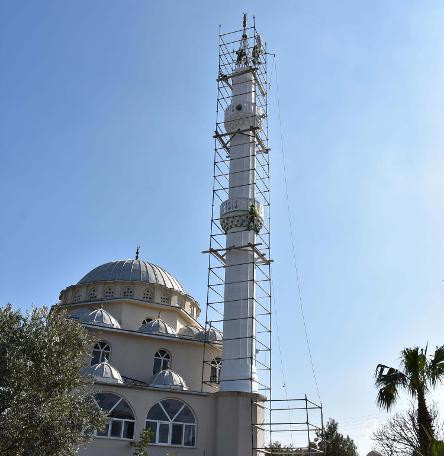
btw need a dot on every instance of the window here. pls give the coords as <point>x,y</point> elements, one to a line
<point>109,293</point>
<point>164,299</point>
<point>121,418</point>
<point>172,423</point>
<point>148,294</point>
<point>77,296</point>
<point>216,364</point>
<point>128,292</point>
<point>101,352</point>
<point>146,320</point>
<point>92,294</point>
<point>162,361</point>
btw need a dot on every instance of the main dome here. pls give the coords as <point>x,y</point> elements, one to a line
<point>134,271</point>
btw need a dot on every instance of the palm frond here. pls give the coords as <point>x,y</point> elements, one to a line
<point>436,366</point>
<point>415,366</point>
<point>388,380</point>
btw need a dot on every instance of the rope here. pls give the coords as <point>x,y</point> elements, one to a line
<point>295,265</point>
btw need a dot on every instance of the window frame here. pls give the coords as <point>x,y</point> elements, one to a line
<point>216,364</point>
<point>92,294</point>
<point>162,358</point>
<point>170,424</point>
<point>149,293</point>
<point>111,419</point>
<point>102,350</point>
<point>128,292</point>
<point>110,290</point>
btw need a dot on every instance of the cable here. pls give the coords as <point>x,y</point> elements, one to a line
<point>284,385</point>
<point>292,236</point>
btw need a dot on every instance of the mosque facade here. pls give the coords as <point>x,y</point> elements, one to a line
<point>148,358</point>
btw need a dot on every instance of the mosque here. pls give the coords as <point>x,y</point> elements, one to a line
<point>148,361</point>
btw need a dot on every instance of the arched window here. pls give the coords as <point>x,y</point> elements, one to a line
<point>101,352</point>
<point>128,292</point>
<point>172,423</point>
<point>92,294</point>
<point>121,417</point>
<point>162,361</point>
<point>109,293</point>
<point>77,296</point>
<point>146,320</point>
<point>147,295</point>
<point>216,364</point>
<point>165,299</point>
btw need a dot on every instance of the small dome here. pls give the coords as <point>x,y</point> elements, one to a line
<point>103,372</point>
<point>134,271</point>
<point>188,331</point>
<point>209,335</point>
<point>168,379</point>
<point>100,317</point>
<point>157,326</point>
<point>374,453</point>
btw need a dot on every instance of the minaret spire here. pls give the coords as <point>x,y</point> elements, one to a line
<point>242,53</point>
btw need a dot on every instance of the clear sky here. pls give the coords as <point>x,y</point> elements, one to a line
<point>107,110</point>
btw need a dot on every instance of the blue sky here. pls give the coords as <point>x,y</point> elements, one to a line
<point>106,118</point>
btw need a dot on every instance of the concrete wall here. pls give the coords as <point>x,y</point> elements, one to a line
<point>235,414</point>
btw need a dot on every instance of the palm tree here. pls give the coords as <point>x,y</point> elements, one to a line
<point>417,374</point>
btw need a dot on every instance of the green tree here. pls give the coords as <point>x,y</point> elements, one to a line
<point>333,443</point>
<point>45,404</point>
<point>141,447</point>
<point>417,374</point>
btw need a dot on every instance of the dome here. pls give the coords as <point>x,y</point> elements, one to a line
<point>103,372</point>
<point>134,271</point>
<point>99,317</point>
<point>374,453</point>
<point>188,331</point>
<point>211,335</point>
<point>168,379</point>
<point>157,326</point>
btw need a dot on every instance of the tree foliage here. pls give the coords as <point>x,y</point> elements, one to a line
<point>398,436</point>
<point>45,404</point>
<point>333,443</point>
<point>141,447</point>
<point>417,374</point>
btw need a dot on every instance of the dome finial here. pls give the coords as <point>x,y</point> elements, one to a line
<point>137,252</point>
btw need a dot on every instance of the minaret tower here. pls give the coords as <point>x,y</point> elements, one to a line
<point>241,218</point>
<point>239,281</point>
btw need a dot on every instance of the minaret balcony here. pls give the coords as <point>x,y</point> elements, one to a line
<point>241,115</point>
<point>241,213</point>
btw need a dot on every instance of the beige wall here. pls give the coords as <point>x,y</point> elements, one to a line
<point>141,400</point>
<point>223,423</point>
<point>159,292</point>
<point>133,355</point>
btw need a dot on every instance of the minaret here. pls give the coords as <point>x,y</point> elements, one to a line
<point>241,217</point>
<point>239,273</point>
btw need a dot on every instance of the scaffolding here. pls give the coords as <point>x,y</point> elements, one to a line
<point>242,52</point>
